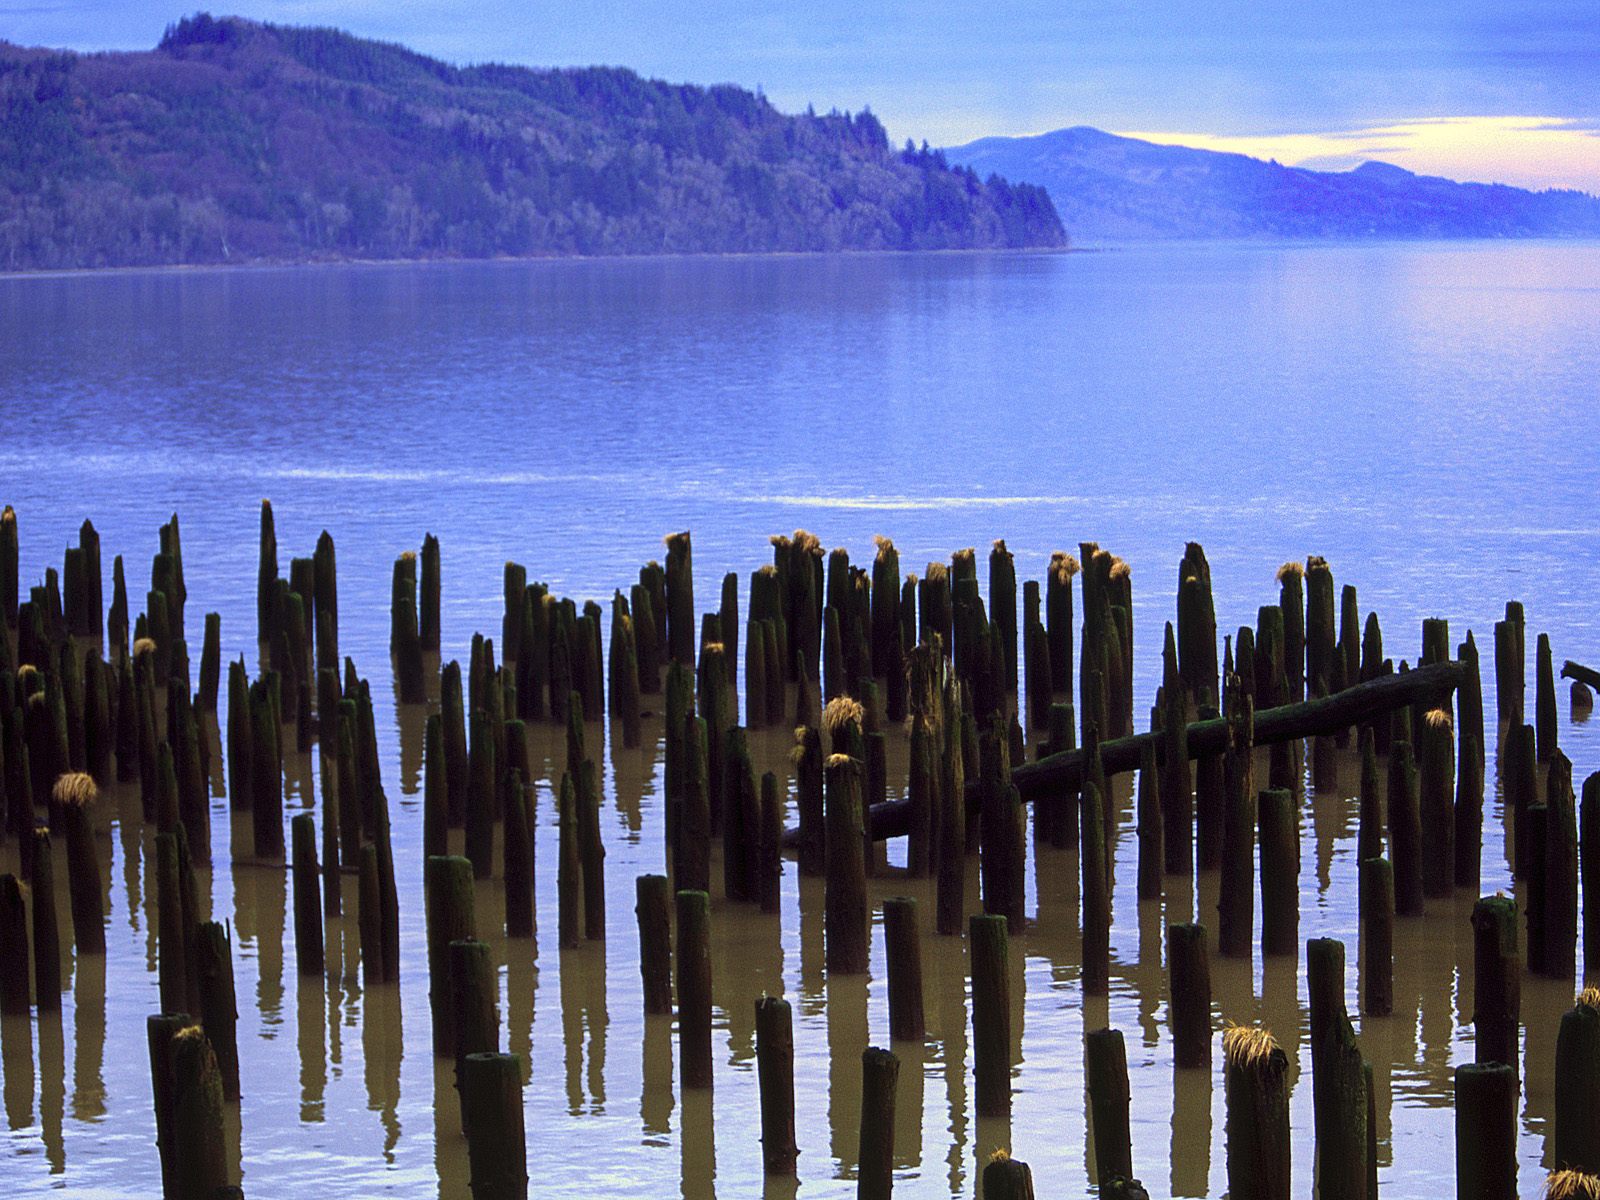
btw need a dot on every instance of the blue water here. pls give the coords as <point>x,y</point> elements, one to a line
<point>1423,416</point>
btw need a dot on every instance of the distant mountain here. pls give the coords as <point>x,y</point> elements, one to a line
<point>238,141</point>
<point>1110,188</point>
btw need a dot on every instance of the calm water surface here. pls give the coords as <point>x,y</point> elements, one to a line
<point>1423,416</point>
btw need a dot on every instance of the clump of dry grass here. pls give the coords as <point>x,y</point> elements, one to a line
<point>766,570</point>
<point>1572,1185</point>
<point>1437,718</point>
<point>143,645</point>
<point>797,752</point>
<point>26,674</point>
<point>1247,1045</point>
<point>839,760</point>
<point>676,540</point>
<point>1001,1154</point>
<point>75,789</point>
<point>1063,565</point>
<point>1289,570</point>
<point>883,544</point>
<point>1120,569</point>
<point>807,543</point>
<point>967,555</point>
<point>938,572</point>
<point>1590,997</point>
<point>840,710</point>
<point>405,556</point>
<point>713,648</point>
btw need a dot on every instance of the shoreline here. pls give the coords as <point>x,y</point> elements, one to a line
<point>298,263</point>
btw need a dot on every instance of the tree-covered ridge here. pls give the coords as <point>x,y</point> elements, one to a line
<point>238,141</point>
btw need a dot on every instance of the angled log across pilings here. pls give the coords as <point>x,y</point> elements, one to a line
<point>1356,705</point>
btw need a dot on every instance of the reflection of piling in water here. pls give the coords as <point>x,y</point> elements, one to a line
<point>1486,1132</point>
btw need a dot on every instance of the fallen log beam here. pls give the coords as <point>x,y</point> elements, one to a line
<point>1326,715</point>
<point>1583,674</point>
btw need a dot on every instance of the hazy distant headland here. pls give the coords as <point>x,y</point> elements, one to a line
<point>1110,188</point>
<point>235,141</point>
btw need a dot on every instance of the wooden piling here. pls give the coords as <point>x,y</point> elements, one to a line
<point>775,1068</point>
<point>1189,986</point>
<point>988,955</point>
<point>491,1112</point>
<point>1280,873</point>
<point>1546,723</point>
<point>173,936</point>
<point>680,599</point>
<point>199,1159</point>
<point>1377,937</point>
<point>450,918</point>
<point>213,970</point>
<point>13,949</point>
<point>903,952</point>
<point>1436,798</point>
<point>1007,1178</point>
<point>1105,1069</point>
<point>76,794</point>
<point>1338,1077</point>
<point>46,936</point>
<point>307,895</point>
<point>880,1075</point>
<point>1577,1116</point>
<point>1096,900</point>
<point>474,999</point>
<point>1496,981</point>
<point>1150,829</point>
<point>569,868</point>
<point>161,1031</point>
<point>1236,895</point>
<point>693,963</point>
<point>1589,822</point>
<point>1486,1131</point>
<point>652,902</point>
<point>1405,831</point>
<point>1257,1095</point>
<point>1560,916</point>
<point>846,915</point>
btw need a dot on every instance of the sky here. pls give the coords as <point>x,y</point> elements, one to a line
<point>1491,90</point>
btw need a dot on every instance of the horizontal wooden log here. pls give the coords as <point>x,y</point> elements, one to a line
<point>1583,674</point>
<point>1312,718</point>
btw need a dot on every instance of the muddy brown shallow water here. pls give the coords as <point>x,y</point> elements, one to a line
<point>1410,412</point>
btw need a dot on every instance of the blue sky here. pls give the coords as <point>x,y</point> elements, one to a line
<point>1409,81</point>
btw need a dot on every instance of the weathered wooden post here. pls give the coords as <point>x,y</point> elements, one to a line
<point>775,1066</point>
<point>1257,1093</point>
<point>1486,1131</point>
<point>880,1073</point>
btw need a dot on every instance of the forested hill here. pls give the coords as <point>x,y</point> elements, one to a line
<point>234,141</point>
